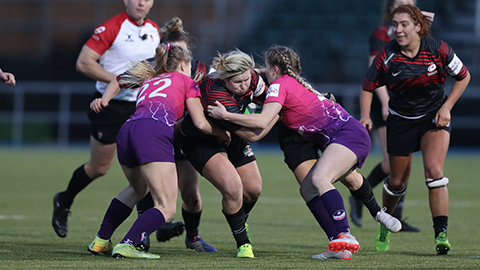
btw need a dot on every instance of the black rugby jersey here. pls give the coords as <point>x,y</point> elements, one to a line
<point>381,36</point>
<point>415,85</point>
<point>215,89</point>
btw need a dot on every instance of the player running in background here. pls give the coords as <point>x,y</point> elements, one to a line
<point>413,67</point>
<point>114,45</point>
<point>145,149</point>
<point>379,112</point>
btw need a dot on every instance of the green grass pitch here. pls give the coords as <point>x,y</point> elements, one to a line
<point>284,233</point>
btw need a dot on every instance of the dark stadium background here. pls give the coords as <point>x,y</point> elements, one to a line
<point>40,41</point>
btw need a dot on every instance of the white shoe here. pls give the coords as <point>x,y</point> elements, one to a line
<point>344,241</point>
<point>341,255</point>
<point>390,222</point>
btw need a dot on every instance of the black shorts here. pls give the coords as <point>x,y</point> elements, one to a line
<point>296,149</point>
<point>404,135</point>
<point>106,124</point>
<point>179,154</point>
<point>376,113</point>
<point>199,152</point>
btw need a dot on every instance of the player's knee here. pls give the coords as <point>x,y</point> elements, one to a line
<point>436,183</point>
<point>394,190</point>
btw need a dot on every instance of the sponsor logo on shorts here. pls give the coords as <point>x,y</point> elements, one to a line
<point>339,214</point>
<point>248,152</point>
<point>100,134</point>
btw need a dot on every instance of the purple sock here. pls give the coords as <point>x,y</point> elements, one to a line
<point>323,218</point>
<point>333,202</point>
<point>148,222</point>
<point>116,213</point>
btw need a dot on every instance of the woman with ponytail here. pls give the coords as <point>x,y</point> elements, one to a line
<point>145,149</point>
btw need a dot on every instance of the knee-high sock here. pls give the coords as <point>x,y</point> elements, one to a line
<point>148,222</point>
<point>377,175</point>
<point>116,214</point>
<point>237,225</point>
<point>323,218</point>
<point>366,196</point>
<point>192,222</point>
<point>333,202</point>
<point>248,208</point>
<point>77,183</point>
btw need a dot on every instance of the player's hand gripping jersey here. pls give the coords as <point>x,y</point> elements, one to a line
<point>415,85</point>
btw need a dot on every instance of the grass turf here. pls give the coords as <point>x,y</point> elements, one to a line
<point>284,233</point>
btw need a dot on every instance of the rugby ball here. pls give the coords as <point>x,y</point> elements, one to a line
<point>253,108</point>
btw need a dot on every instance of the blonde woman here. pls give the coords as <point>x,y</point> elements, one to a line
<point>231,169</point>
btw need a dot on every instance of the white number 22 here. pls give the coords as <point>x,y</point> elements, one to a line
<point>156,93</point>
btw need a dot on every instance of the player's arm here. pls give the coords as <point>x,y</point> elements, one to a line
<point>382,93</point>
<point>87,64</point>
<point>195,109</point>
<point>253,135</point>
<point>365,105</point>
<point>263,120</point>
<point>110,92</point>
<point>442,118</point>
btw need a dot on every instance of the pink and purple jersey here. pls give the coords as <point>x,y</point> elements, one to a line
<point>163,97</point>
<point>316,118</point>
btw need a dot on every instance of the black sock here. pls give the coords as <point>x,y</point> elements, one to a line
<point>248,208</point>
<point>440,224</point>
<point>145,204</point>
<point>237,225</point>
<point>376,176</point>
<point>366,196</point>
<point>399,209</point>
<point>192,222</point>
<point>77,183</point>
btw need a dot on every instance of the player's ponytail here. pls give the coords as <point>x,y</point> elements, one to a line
<point>167,57</point>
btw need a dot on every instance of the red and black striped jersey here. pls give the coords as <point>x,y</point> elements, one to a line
<point>415,85</point>
<point>215,89</point>
<point>379,38</point>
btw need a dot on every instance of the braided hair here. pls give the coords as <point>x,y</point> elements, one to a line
<point>289,63</point>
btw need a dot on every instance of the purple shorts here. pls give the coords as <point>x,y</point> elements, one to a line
<point>144,140</point>
<point>354,136</point>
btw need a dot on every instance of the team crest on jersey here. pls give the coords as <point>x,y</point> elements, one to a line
<point>99,30</point>
<point>273,90</point>
<point>432,69</point>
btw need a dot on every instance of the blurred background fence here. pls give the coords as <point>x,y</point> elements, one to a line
<point>40,41</point>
